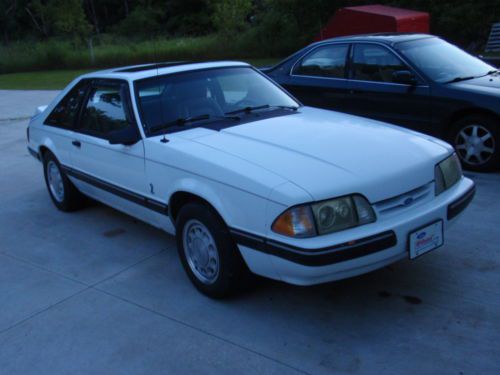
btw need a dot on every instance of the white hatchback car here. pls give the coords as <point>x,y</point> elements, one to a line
<point>245,176</point>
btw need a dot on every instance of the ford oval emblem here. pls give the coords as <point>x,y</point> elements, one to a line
<point>421,235</point>
<point>408,201</point>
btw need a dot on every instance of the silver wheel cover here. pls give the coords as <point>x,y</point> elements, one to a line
<point>475,144</point>
<point>55,181</point>
<point>201,251</point>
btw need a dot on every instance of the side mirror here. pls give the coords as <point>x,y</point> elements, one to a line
<point>404,77</point>
<point>127,136</point>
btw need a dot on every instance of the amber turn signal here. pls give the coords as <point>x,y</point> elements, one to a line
<point>295,222</point>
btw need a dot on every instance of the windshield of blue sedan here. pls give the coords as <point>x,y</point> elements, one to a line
<point>196,97</point>
<point>441,61</point>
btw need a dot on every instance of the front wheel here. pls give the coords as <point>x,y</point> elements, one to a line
<point>477,142</point>
<point>208,253</point>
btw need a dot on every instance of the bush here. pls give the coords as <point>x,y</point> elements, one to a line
<point>111,51</point>
<point>53,54</point>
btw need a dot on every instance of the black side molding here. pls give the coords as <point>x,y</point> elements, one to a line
<point>320,256</point>
<point>461,203</point>
<point>154,205</point>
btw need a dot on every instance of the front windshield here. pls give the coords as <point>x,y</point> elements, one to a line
<point>442,61</point>
<point>198,96</point>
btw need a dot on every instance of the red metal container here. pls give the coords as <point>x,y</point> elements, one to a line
<point>374,19</point>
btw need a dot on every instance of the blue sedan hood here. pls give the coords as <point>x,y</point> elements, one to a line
<point>489,85</point>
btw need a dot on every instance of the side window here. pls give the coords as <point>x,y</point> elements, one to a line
<point>371,62</point>
<point>64,113</point>
<point>328,61</point>
<point>105,110</point>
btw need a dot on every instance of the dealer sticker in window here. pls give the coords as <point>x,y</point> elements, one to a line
<point>426,239</point>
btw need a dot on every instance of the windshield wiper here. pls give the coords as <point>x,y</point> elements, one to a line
<point>494,71</point>
<point>459,79</point>
<point>265,106</point>
<point>186,120</point>
<point>248,109</point>
<point>292,107</point>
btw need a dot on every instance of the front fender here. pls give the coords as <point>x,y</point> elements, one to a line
<point>239,209</point>
<point>202,190</point>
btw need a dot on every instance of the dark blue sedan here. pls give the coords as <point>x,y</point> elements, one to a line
<point>414,80</point>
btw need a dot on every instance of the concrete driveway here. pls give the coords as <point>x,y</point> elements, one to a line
<point>96,292</point>
<point>21,104</point>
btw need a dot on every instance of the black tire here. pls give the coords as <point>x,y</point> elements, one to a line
<point>72,199</point>
<point>233,273</point>
<point>485,126</point>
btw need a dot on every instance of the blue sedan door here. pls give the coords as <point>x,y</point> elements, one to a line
<point>374,91</point>
<point>319,78</point>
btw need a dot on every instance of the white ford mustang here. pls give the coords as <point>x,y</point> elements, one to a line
<point>245,176</point>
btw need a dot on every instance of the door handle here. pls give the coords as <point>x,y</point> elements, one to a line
<point>77,144</point>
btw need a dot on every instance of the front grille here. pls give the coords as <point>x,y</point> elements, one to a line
<point>406,200</point>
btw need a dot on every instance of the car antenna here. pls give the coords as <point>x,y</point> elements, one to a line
<point>164,138</point>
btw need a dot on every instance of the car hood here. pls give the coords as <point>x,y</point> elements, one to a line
<point>485,85</point>
<point>330,154</point>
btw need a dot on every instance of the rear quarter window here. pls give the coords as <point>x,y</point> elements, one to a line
<point>65,112</point>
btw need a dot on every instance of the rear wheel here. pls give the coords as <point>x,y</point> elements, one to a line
<point>208,253</point>
<point>62,192</point>
<point>476,140</point>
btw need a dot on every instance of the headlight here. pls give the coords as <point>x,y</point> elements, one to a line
<point>447,173</point>
<point>324,217</point>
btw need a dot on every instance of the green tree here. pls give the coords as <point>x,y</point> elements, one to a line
<point>38,12</point>
<point>11,22</point>
<point>68,19</point>
<point>230,16</point>
<point>143,20</point>
<point>188,17</point>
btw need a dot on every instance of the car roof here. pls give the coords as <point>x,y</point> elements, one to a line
<point>137,72</point>
<point>386,38</point>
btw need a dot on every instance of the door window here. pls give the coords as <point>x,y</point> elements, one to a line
<point>328,61</point>
<point>372,62</point>
<point>65,113</point>
<point>105,111</point>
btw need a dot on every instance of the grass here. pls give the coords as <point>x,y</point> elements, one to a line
<point>110,50</point>
<point>52,63</point>
<point>44,80</point>
<point>58,79</point>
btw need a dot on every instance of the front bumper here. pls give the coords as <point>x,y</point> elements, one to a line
<point>352,252</point>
